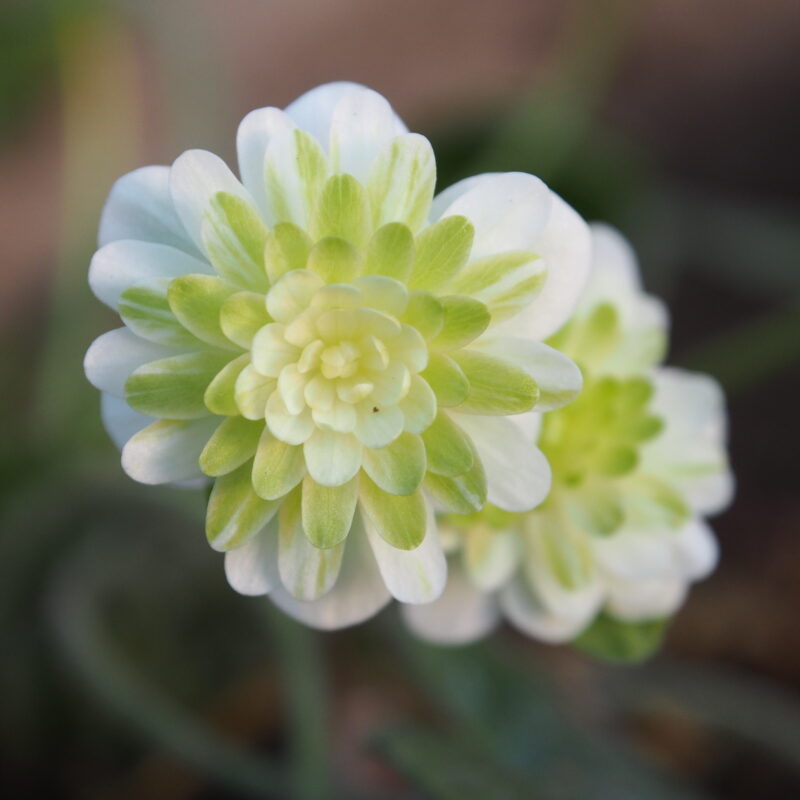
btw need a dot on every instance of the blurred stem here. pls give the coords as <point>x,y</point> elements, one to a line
<point>75,601</point>
<point>302,668</point>
<point>752,352</point>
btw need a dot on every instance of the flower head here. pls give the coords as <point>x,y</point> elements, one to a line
<point>333,346</point>
<point>638,461</point>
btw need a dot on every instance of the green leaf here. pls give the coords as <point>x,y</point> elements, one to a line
<point>401,181</point>
<point>234,442</point>
<point>399,467</point>
<point>235,513</point>
<point>242,315</point>
<point>447,379</point>
<point>334,260</point>
<point>617,641</point>
<point>196,300</point>
<point>278,467</point>
<point>146,311</point>
<point>399,519</point>
<point>495,386</point>
<point>343,211</point>
<point>174,388</point>
<point>442,250</point>
<point>448,448</point>
<point>327,511</point>
<point>220,396</point>
<point>465,319</point>
<point>286,248</point>
<point>233,237</point>
<point>391,252</point>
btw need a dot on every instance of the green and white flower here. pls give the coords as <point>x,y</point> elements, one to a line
<point>334,347</point>
<point>639,460</point>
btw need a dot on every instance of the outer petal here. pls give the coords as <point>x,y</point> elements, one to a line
<point>412,576</point>
<point>358,594</point>
<point>696,550</point>
<point>362,124</point>
<point>114,355</point>
<point>195,178</point>
<point>139,206</point>
<point>252,139</point>
<point>167,451</point>
<point>645,599</point>
<point>462,614</point>
<point>125,262</point>
<point>508,210</point>
<point>565,247</point>
<point>120,420</point>
<point>252,568</point>
<point>313,110</point>
<point>517,473</point>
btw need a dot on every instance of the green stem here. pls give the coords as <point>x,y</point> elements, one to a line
<point>303,671</point>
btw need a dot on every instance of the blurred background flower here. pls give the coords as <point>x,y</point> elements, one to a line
<point>123,676</point>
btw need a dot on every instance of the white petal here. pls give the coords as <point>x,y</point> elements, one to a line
<point>168,451</point>
<point>565,247</point>
<point>313,110</point>
<point>636,601</point>
<point>120,420</point>
<point>517,473</point>
<point>252,568</point>
<point>462,614</point>
<point>307,572</point>
<point>140,207</point>
<point>113,356</point>
<point>378,428</point>
<point>332,458</point>
<point>412,576</point>
<point>195,178</point>
<point>632,554</point>
<point>125,262</point>
<point>358,594</point>
<point>558,377</point>
<point>696,550</point>
<point>362,124</point>
<point>526,612</point>
<point>490,556</point>
<point>508,210</point>
<point>252,139</point>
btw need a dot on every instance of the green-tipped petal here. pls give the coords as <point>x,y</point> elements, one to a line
<point>234,442</point>
<point>278,467</point>
<point>174,388</point>
<point>425,313</point>
<point>464,494</point>
<point>334,259</point>
<point>391,252</point>
<point>285,248</point>
<point>328,511</point>
<point>401,181</point>
<point>399,519</point>
<point>196,300</point>
<point>343,211</point>
<point>235,512</point>
<point>332,458</point>
<point>251,392</point>
<point>442,250</point>
<point>234,237</point>
<point>220,396</point>
<point>399,467</point>
<point>447,380</point>
<point>465,319</point>
<point>242,315</point>
<point>495,386</point>
<point>449,450</point>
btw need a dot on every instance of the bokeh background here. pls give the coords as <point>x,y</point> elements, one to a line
<point>128,669</point>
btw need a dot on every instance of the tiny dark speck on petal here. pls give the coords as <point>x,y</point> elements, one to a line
<point>374,409</point>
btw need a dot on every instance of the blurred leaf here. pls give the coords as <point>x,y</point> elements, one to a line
<point>618,641</point>
<point>448,768</point>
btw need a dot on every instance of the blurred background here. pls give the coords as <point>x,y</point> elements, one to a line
<point>128,669</point>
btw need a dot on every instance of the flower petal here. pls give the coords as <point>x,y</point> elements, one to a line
<point>313,110</point>
<point>460,615</point>
<point>327,511</point>
<point>412,576</point>
<point>252,568</point>
<point>332,458</point>
<point>123,263</point>
<point>517,473</point>
<point>120,420</point>
<point>399,467</point>
<point>278,467</point>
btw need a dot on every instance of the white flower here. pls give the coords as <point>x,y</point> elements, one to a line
<point>639,461</point>
<point>333,346</point>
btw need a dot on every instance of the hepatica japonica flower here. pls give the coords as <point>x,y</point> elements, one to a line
<point>334,347</point>
<point>639,460</point>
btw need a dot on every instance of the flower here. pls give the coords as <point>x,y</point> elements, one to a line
<point>333,346</point>
<point>639,461</point>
